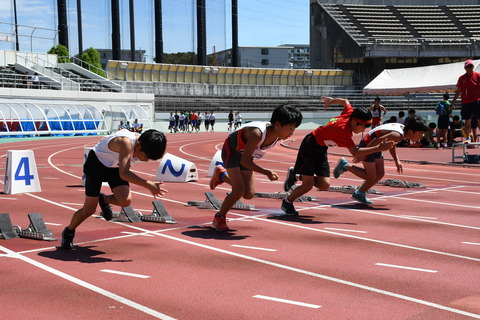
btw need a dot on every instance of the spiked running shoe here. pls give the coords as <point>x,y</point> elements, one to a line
<point>360,197</point>
<point>218,172</point>
<point>467,140</point>
<point>67,238</point>
<point>289,180</point>
<point>288,208</point>
<point>220,223</point>
<point>340,168</point>
<point>107,212</point>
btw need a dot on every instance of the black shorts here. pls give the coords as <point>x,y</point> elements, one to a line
<point>470,110</point>
<point>443,122</point>
<point>372,156</point>
<point>230,156</point>
<point>96,173</point>
<point>312,158</point>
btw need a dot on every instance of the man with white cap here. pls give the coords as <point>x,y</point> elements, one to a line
<point>468,85</point>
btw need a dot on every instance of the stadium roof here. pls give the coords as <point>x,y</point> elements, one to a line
<point>438,78</point>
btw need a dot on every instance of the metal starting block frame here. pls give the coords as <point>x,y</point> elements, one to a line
<point>159,214</point>
<point>400,183</point>
<point>282,195</point>
<point>212,203</point>
<point>351,189</point>
<point>37,229</point>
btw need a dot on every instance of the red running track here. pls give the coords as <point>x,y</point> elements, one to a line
<point>413,254</point>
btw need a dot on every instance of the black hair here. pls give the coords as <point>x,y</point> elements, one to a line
<point>401,114</point>
<point>153,143</point>
<point>361,113</point>
<point>456,118</point>
<point>432,125</point>
<point>286,115</point>
<point>377,98</point>
<point>415,124</point>
<point>411,111</point>
<point>446,96</point>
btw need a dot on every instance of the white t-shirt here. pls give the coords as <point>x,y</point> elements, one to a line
<point>110,158</point>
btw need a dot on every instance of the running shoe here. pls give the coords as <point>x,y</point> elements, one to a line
<point>467,140</point>
<point>445,145</point>
<point>340,168</point>
<point>288,208</point>
<point>216,177</point>
<point>360,197</point>
<point>67,238</point>
<point>220,223</point>
<point>107,212</point>
<point>290,180</point>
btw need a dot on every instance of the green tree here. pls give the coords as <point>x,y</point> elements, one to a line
<point>180,58</point>
<point>62,52</point>
<point>92,59</point>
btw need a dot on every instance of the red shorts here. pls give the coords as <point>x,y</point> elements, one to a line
<point>376,122</point>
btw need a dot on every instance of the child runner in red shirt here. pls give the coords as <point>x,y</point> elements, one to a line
<point>241,147</point>
<point>312,161</point>
<point>373,164</point>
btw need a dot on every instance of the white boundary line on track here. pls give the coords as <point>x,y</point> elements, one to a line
<point>297,303</point>
<point>88,286</point>
<point>403,267</point>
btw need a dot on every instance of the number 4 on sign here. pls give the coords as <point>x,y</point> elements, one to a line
<point>21,175</point>
<point>25,165</point>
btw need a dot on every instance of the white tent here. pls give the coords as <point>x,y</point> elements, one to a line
<point>438,78</point>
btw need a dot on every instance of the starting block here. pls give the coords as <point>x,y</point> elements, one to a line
<point>127,215</point>
<point>7,230</point>
<point>212,203</point>
<point>352,189</point>
<point>400,184</point>
<point>159,214</point>
<point>37,229</point>
<point>283,195</point>
<point>176,169</point>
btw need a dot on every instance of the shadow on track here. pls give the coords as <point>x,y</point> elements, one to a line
<point>79,254</point>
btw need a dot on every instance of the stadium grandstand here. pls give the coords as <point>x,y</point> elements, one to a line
<point>370,36</point>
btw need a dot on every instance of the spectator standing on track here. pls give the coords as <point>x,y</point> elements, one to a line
<point>207,121</point>
<point>199,121</point>
<point>171,122</point>
<point>181,121</point>
<point>238,120</point>
<point>444,112</point>
<point>468,86</point>
<point>230,121</point>
<point>193,121</point>
<point>110,161</point>
<point>212,121</point>
<point>240,149</point>
<point>312,161</point>
<point>373,164</point>
<point>377,110</point>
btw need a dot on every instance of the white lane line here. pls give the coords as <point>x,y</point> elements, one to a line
<point>313,274</point>
<point>476,244</point>
<point>302,304</point>
<point>53,224</point>
<point>403,267</point>
<point>436,202</point>
<point>2,198</point>
<point>89,286</point>
<point>346,230</point>
<point>254,248</point>
<point>125,273</point>
<point>137,234</point>
<point>406,216</point>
